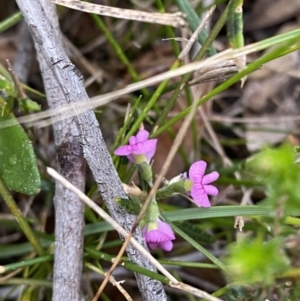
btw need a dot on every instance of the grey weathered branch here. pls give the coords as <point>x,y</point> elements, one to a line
<point>93,145</point>
<point>69,209</point>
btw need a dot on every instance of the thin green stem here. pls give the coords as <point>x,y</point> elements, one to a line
<point>10,21</point>
<point>188,264</point>
<point>294,221</point>
<point>150,104</point>
<point>30,282</point>
<point>171,102</point>
<point>25,263</point>
<point>250,68</point>
<point>181,151</point>
<point>11,204</point>
<point>126,263</point>
<point>194,21</point>
<point>118,50</point>
<point>169,29</point>
<point>196,144</point>
<point>125,125</point>
<point>192,242</point>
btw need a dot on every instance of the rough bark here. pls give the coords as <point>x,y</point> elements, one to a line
<point>93,145</point>
<point>69,209</point>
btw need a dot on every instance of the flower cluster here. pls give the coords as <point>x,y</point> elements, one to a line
<point>141,149</point>
<point>138,145</point>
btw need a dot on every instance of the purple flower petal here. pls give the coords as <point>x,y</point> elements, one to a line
<point>197,171</point>
<point>130,158</point>
<point>166,228</point>
<point>211,190</point>
<point>153,246</point>
<point>132,140</point>
<point>166,245</point>
<point>138,145</point>
<point>123,150</point>
<point>211,177</point>
<point>162,236</point>
<point>149,155</point>
<point>142,136</point>
<point>157,236</point>
<point>144,147</point>
<point>199,196</point>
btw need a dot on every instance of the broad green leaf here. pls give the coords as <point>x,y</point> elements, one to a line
<point>18,167</point>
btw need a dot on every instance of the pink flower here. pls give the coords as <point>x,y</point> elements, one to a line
<point>161,237</point>
<point>138,145</point>
<point>201,187</point>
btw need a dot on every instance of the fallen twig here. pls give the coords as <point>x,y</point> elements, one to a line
<point>175,19</point>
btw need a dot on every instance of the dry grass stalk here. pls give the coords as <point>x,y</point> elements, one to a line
<point>175,19</point>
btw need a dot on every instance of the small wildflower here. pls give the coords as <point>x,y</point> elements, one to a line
<point>201,188</point>
<point>161,235</point>
<point>138,145</point>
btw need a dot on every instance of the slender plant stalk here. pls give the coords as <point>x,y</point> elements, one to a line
<point>169,29</point>
<point>29,282</point>
<point>150,104</point>
<point>118,50</point>
<point>192,242</point>
<point>11,204</point>
<point>250,68</point>
<point>11,21</point>
<point>25,263</point>
<point>171,102</point>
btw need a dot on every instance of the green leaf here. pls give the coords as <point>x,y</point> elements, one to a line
<point>196,245</point>
<point>276,169</point>
<point>235,24</point>
<point>194,232</point>
<point>144,170</point>
<point>244,293</point>
<point>253,260</point>
<point>18,167</point>
<point>130,205</point>
<point>181,186</point>
<point>6,85</point>
<point>30,105</point>
<point>235,32</point>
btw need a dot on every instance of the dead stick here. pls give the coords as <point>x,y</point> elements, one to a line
<point>175,19</point>
<point>94,149</point>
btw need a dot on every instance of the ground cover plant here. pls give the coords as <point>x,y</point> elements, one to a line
<point>149,150</point>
